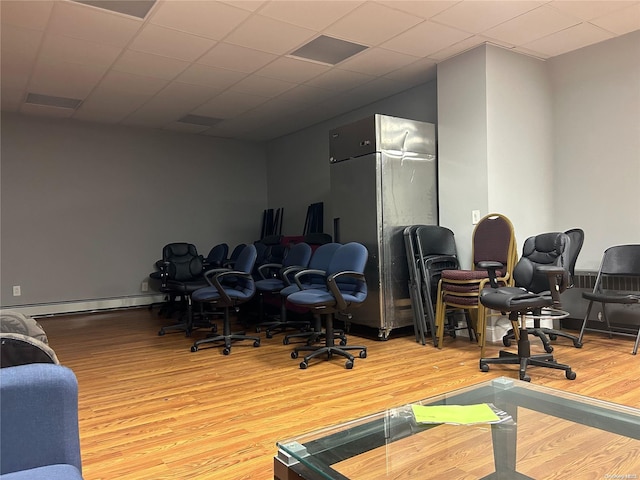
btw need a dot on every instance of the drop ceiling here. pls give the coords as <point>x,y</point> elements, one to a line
<point>226,69</point>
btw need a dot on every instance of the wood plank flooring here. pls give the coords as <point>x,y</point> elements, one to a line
<point>151,409</point>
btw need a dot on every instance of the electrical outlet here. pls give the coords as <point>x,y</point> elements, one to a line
<point>144,287</point>
<point>475,217</point>
<point>17,291</point>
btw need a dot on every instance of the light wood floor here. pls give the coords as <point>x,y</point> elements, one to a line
<point>151,409</point>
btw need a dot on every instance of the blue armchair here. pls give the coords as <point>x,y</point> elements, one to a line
<point>39,436</point>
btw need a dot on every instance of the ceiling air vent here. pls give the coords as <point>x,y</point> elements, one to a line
<point>51,101</point>
<point>135,8</point>
<point>328,50</point>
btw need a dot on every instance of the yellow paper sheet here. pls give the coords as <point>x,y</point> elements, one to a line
<point>455,414</point>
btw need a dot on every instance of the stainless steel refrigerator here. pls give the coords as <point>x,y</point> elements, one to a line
<point>383,178</point>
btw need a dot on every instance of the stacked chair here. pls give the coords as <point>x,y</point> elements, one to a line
<point>430,250</point>
<point>275,277</point>
<point>493,241</point>
<point>345,288</point>
<point>216,257</point>
<point>227,289</point>
<point>541,274</point>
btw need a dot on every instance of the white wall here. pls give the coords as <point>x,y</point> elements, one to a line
<point>597,144</point>
<point>87,208</point>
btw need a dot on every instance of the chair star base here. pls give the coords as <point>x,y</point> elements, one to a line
<point>329,351</point>
<point>226,341</point>
<point>524,358</point>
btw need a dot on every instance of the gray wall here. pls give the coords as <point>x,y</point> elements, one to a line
<point>86,208</point>
<point>299,163</point>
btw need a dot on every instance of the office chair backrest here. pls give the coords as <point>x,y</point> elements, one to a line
<point>298,255</point>
<point>576,237</point>
<point>551,249</point>
<point>435,240</point>
<point>184,262</point>
<point>245,263</point>
<point>350,257</point>
<point>217,255</point>
<point>235,253</point>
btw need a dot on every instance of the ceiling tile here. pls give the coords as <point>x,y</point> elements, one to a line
<point>210,76</point>
<point>74,50</point>
<point>621,21</point>
<point>425,39</point>
<point>569,39</point>
<point>475,17</point>
<point>418,72</point>
<point>532,25</point>
<point>26,14</point>
<point>303,95</point>
<point>18,52</point>
<point>101,106</point>
<point>62,79</point>
<point>122,82</point>
<point>590,9</point>
<point>235,57</point>
<point>314,14</point>
<point>293,70</point>
<point>338,80</point>
<point>229,104</point>
<point>456,48</point>
<point>185,127</point>
<point>249,5</point>
<point>263,86</point>
<point>377,61</point>
<point>382,23</point>
<point>187,94</point>
<point>205,18</point>
<point>170,43</point>
<point>155,114</point>
<point>424,10</point>
<point>88,23</point>
<point>155,66</point>
<point>11,98</point>
<point>268,35</point>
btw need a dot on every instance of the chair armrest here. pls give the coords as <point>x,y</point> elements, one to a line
<point>266,267</point>
<point>333,286</point>
<point>308,271</point>
<point>491,267</point>
<point>558,280</point>
<point>38,418</point>
<point>209,274</point>
<point>287,273</point>
<point>216,282</point>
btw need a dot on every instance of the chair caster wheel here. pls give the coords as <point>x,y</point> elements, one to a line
<point>525,378</point>
<point>577,344</point>
<point>348,364</point>
<point>571,375</point>
<point>506,342</point>
<point>258,329</point>
<point>285,341</point>
<point>256,343</point>
<point>294,355</point>
<point>484,367</point>
<point>226,351</point>
<point>548,349</point>
<point>553,337</point>
<point>194,348</point>
<point>363,354</point>
<point>303,365</point>
<point>161,333</point>
<point>343,342</point>
<point>269,334</point>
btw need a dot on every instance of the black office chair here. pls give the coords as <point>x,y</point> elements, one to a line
<point>181,275</point>
<point>345,288</point>
<point>621,262</point>
<point>541,275</point>
<point>275,277</point>
<point>228,289</point>
<point>545,334</point>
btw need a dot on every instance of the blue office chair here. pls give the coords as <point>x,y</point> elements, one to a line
<point>345,288</point>
<point>276,276</point>
<point>312,277</point>
<point>216,256</point>
<point>227,289</point>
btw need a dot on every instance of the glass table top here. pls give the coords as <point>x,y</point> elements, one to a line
<point>538,433</point>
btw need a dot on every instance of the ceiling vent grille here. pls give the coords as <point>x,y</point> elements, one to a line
<point>328,50</point>
<point>135,8</point>
<point>51,101</point>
